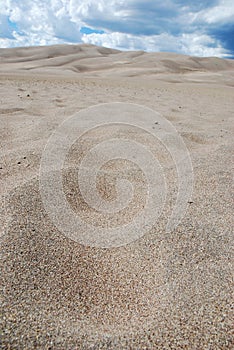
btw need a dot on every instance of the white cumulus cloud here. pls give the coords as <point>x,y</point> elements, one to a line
<point>185,26</point>
<point>188,44</point>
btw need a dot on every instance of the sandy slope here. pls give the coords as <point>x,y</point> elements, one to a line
<point>93,61</point>
<point>164,291</point>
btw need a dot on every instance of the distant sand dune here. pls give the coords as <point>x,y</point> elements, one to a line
<point>90,60</point>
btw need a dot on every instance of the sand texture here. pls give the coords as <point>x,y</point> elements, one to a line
<point>163,291</point>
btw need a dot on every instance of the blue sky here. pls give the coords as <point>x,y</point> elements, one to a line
<point>200,28</point>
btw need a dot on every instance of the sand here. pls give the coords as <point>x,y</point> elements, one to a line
<point>163,291</point>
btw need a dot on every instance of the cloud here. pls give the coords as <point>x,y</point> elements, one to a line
<point>188,44</point>
<point>203,28</point>
<point>222,13</point>
<point>38,23</point>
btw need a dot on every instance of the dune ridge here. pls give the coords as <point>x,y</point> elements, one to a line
<point>93,61</point>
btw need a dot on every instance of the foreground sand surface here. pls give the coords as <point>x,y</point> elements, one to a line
<point>163,291</point>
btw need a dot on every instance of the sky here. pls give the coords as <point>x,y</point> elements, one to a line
<point>192,27</point>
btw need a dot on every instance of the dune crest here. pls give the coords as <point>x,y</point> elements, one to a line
<point>93,61</point>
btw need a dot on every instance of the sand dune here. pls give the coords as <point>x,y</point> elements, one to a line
<point>90,61</point>
<point>166,290</point>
